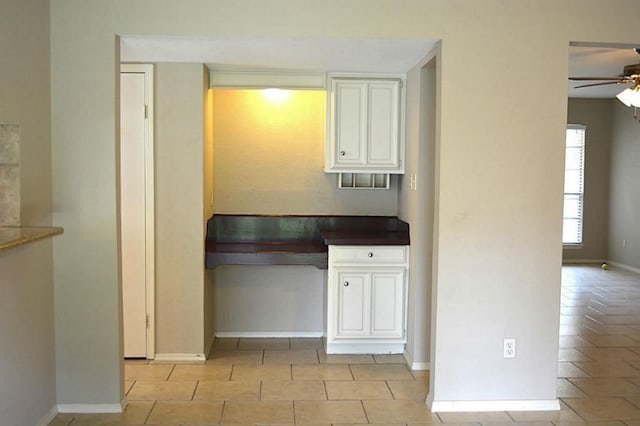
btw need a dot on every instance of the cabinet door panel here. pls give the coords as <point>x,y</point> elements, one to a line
<point>383,124</point>
<point>387,306</point>
<point>353,313</point>
<point>350,119</point>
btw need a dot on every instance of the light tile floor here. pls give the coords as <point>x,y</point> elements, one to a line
<point>292,381</point>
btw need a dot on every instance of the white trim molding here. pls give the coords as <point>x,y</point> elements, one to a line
<point>420,366</point>
<point>48,418</point>
<point>89,408</point>
<point>268,334</point>
<point>582,261</point>
<point>624,266</point>
<point>506,405</point>
<point>180,358</point>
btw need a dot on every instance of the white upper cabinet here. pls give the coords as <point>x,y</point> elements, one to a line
<point>365,129</point>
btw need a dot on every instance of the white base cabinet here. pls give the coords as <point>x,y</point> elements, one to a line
<point>367,292</point>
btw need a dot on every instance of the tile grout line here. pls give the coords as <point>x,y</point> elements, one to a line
<point>150,411</point>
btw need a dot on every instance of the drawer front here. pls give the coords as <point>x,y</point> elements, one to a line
<point>367,254</point>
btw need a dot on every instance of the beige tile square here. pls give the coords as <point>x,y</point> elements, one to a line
<point>293,390</point>
<point>390,359</point>
<point>236,357</point>
<point>261,344</point>
<point>186,412</point>
<point>169,391</point>
<point>565,414</point>
<point>258,412</point>
<point>606,386</point>
<point>611,341</point>
<point>321,372</point>
<point>483,417</point>
<point>567,369</point>
<point>329,412</point>
<point>381,372</point>
<point>574,342</point>
<point>147,372</point>
<point>409,389</point>
<point>596,409</point>
<point>306,343</point>
<point>345,359</point>
<point>228,390</point>
<point>133,413</point>
<point>567,389</point>
<point>608,368</point>
<point>400,411</point>
<point>610,354</point>
<point>62,419</point>
<point>200,372</point>
<point>357,390</point>
<point>295,356</point>
<point>261,372</point>
<point>572,354</point>
<point>225,344</point>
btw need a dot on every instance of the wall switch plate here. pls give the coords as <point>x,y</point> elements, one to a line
<point>509,348</point>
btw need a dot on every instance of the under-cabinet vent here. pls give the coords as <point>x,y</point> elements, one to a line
<point>363,180</point>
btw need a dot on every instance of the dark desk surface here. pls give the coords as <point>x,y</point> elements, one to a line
<point>294,240</point>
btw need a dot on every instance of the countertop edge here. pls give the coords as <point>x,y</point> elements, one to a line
<point>15,236</point>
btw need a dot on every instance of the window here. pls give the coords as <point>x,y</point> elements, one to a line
<point>573,185</point>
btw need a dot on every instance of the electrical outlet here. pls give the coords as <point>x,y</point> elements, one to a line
<point>509,348</point>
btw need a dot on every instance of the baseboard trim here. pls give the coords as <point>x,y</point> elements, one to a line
<point>582,261</point>
<point>507,405</point>
<point>180,358</point>
<point>421,366</point>
<point>268,334</point>
<point>48,418</point>
<point>624,266</point>
<point>89,408</point>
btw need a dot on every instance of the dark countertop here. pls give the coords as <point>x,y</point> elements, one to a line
<point>361,238</point>
<point>294,240</point>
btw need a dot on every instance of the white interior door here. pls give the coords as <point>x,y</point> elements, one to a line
<point>133,213</point>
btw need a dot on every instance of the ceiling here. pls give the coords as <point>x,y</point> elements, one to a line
<point>598,60</point>
<point>352,55</point>
<point>286,54</point>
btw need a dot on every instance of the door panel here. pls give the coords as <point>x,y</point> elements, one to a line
<point>132,210</point>
<point>387,295</point>
<point>352,304</point>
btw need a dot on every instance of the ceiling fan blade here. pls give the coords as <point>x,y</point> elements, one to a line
<point>601,84</point>
<point>594,78</point>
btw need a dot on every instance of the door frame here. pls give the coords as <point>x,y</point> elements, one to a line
<point>149,199</point>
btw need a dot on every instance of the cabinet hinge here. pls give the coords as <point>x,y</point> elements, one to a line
<point>146,321</point>
<point>146,111</point>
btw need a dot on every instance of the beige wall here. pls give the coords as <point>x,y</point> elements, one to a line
<point>269,158</point>
<point>208,203</point>
<point>498,216</point>
<point>596,114</point>
<point>416,206</point>
<point>624,191</point>
<point>179,125</point>
<point>27,352</point>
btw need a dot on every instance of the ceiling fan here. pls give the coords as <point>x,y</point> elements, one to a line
<point>631,74</point>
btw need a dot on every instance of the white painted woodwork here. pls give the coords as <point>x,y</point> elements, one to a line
<point>364,126</point>
<point>366,303</point>
<point>136,209</point>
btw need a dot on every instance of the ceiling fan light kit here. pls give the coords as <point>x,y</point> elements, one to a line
<point>630,97</point>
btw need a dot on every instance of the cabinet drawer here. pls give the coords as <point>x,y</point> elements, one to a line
<point>367,254</point>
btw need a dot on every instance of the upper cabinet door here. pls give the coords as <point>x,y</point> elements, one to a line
<point>383,124</point>
<point>350,123</point>
<point>365,125</point>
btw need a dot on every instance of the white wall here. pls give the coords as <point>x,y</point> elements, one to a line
<point>498,216</point>
<point>596,114</point>
<point>179,156</point>
<point>27,352</point>
<point>416,206</point>
<point>624,192</point>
